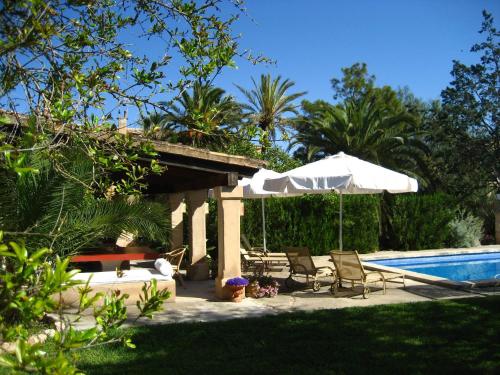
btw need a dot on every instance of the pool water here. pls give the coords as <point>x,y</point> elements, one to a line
<point>460,267</point>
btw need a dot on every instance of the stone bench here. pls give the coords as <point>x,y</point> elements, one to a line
<point>130,283</point>
<point>109,261</point>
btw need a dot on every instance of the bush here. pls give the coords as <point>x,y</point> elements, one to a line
<point>29,284</point>
<point>313,221</point>
<point>419,221</point>
<point>414,222</point>
<point>466,230</point>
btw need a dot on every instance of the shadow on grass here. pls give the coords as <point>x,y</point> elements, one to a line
<point>456,336</point>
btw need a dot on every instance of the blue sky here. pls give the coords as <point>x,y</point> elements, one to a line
<point>404,43</point>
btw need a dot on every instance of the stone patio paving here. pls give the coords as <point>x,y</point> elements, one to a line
<point>196,302</point>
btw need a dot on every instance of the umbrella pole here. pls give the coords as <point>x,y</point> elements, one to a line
<point>264,225</point>
<point>340,222</point>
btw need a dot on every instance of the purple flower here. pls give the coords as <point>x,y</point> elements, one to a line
<point>237,281</point>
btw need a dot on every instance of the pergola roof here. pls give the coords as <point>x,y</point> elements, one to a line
<point>188,168</point>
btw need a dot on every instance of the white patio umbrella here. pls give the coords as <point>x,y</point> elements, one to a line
<point>342,174</point>
<point>253,189</point>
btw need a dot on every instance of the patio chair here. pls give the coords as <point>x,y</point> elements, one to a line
<point>301,263</point>
<point>258,249</point>
<point>175,258</point>
<point>270,260</point>
<point>348,266</point>
<point>252,262</point>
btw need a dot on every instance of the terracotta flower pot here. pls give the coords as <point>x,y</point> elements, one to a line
<point>252,289</point>
<point>237,292</point>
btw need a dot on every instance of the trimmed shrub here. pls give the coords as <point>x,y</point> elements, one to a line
<point>313,221</point>
<point>466,230</point>
<point>418,221</point>
<point>414,222</point>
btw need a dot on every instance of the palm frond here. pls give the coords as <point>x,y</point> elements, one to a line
<point>269,102</point>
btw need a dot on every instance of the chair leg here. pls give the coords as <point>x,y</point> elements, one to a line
<point>316,285</point>
<point>261,269</point>
<point>181,280</point>
<point>289,282</point>
<point>335,286</point>
<point>366,291</point>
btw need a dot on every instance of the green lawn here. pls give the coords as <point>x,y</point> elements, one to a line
<point>459,336</point>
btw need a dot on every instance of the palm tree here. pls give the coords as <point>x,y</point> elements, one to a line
<point>49,209</point>
<point>366,130</point>
<point>269,101</point>
<point>200,118</point>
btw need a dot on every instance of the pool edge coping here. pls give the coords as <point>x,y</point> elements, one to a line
<point>429,279</point>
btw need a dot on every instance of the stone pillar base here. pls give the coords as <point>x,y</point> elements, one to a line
<point>221,292</point>
<point>198,271</point>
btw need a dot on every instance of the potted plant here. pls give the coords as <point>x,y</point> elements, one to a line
<point>253,287</point>
<point>263,286</point>
<point>236,287</point>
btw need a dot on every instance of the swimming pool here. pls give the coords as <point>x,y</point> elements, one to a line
<point>460,267</point>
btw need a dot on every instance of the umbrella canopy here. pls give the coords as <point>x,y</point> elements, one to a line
<point>343,174</point>
<point>253,188</point>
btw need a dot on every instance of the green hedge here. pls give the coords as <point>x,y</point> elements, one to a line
<point>313,221</point>
<point>420,221</point>
<point>411,222</point>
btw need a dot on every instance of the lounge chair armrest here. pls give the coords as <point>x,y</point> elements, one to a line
<point>257,255</point>
<point>323,267</point>
<point>276,255</point>
<point>300,266</point>
<point>382,277</point>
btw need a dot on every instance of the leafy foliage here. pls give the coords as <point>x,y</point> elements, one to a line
<point>71,56</point>
<point>466,132</point>
<point>30,285</point>
<point>357,85</point>
<point>466,230</point>
<point>313,221</point>
<point>151,300</point>
<point>363,129</point>
<point>201,118</point>
<point>263,286</point>
<point>420,221</point>
<point>58,210</point>
<point>268,102</point>
<point>70,67</point>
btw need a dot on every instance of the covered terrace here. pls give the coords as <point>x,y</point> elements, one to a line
<point>190,173</point>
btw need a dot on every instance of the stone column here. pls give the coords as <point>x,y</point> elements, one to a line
<point>122,123</point>
<point>177,209</point>
<point>229,209</point>
<point>198,267</point>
